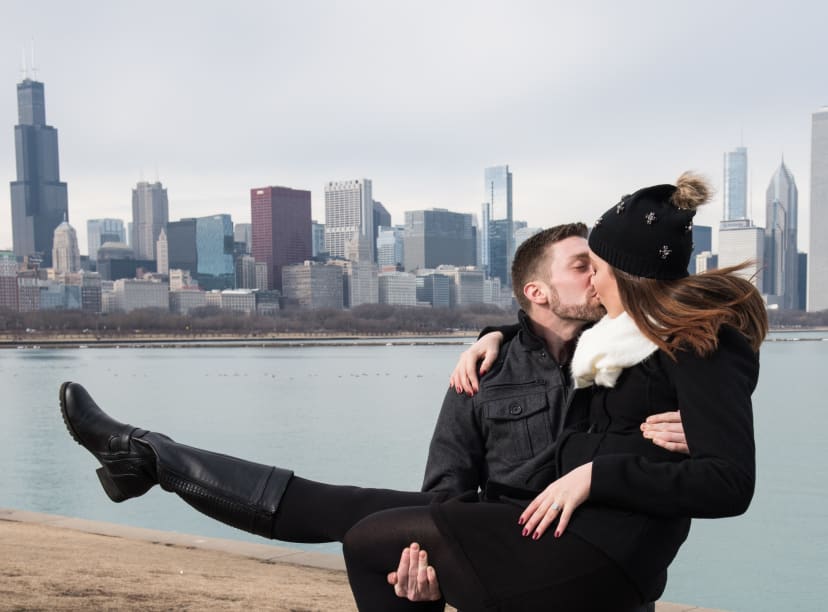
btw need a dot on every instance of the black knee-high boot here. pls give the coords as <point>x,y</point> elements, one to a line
<point>239,493</point>
<point>261,499</point>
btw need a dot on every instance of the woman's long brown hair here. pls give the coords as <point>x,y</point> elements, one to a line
<point>688,312</point>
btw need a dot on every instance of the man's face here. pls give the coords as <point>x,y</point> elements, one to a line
<point>569,272</point>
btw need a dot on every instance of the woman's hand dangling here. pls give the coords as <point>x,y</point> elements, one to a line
<point>562,497</point>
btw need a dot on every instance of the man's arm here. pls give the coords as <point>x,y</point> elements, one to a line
<point>457,454</point>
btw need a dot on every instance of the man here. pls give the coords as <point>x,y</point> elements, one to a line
<point>500,438</point>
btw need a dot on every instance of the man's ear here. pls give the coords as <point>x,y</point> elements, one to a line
<point>534,293</point>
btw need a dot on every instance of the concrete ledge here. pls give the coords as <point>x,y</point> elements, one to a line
<point>13,566</point>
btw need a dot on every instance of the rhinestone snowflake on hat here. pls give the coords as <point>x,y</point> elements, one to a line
<point>650,218</point>
<point>688,228</point>
<point>619,208</point>
<point>598,221</point>
<point>664,252</point>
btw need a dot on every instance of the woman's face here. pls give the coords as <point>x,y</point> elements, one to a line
<point>605,285</point>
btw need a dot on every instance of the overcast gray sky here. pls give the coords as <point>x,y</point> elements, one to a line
<point>585,101</point>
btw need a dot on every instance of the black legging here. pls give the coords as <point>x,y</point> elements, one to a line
<point>564,574</point>
<point>487,566</point>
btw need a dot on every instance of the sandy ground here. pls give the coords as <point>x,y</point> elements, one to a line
<point>50,568</point>
<point>48,562</point>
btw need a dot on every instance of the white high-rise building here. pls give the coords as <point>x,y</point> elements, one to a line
<point>390,246</point>
<point>162,253</point>
<point>65,251</point>
<point>349,216</point>
<point>818,242</point>
<point>134,294</point>
<point>740,242</point>
<point>150,212</point>
<point>398,288</point>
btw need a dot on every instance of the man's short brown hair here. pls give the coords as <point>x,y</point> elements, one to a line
<point>531,255</point>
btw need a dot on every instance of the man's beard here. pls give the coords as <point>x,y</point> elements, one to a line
<point>586,312</point>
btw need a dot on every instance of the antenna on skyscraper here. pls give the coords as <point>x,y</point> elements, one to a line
<point>34,66</point>
<point>24,71</point>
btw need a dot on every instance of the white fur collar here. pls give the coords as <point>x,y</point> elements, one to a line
<point>607,348</point>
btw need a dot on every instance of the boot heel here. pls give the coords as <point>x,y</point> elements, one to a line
<point>108,484</point>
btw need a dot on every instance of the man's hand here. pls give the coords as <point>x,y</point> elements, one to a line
<point>464,378</point>
<point>665,430</point>
<point>415,579</point>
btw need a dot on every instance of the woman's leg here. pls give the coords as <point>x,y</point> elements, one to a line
<point>485,564</point>
<point>261,499</point>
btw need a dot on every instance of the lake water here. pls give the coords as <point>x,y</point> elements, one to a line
<point>364,415</point>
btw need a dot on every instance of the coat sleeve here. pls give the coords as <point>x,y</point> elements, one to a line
<point>718,477</point>
<point>508,331</point>
<point>456,456</point>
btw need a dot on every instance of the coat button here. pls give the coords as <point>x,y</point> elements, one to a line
<point>515,409</point>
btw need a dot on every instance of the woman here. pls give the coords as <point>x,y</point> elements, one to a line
<point>667,339</point>
<point>621,507</point>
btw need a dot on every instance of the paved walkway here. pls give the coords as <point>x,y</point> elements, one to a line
<point>50,562</point>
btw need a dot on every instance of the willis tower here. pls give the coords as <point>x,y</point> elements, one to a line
<point>38,198</point>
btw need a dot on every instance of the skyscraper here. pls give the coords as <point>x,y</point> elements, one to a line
<point>781,282</point>
<point>214,252</point>
<point>65,251</point>
<point>162,253</point>
<point>100,231</point>
<point>318,239</point>
<point>382,218</point>
<point>498,196</point>
<point>243,232</point>
<point>818,243</point>
<point>150,212</point>
<point>349,216</point>
<point>8,280</point>
<point>436,237</point>
<point>702,242</point>
<point>390,246</point>
<point>740,241</point>
<point>735,184</point>
<point>182,253</point>
<point>281,220</point>
<point>39,199</point>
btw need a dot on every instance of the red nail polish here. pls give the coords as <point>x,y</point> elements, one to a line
<point>557,534</point>
<point>521,520</point>
<point>525,532</point>
<point>535,535</point>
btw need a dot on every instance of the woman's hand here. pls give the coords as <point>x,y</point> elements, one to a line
<point>464,377</point>
<point>561,497</point>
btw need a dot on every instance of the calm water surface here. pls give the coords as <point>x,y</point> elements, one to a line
<point>364,414</point>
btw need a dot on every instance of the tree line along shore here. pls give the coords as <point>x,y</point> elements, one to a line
<point>214,325</point>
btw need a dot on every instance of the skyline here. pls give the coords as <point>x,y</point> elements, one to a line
<point>223,101</point>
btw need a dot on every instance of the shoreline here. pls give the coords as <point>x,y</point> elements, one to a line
<point>273,340</point>
<point>277,340</point>
<point>53,562</point>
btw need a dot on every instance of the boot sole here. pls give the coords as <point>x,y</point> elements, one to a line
<point>66,421</point>
<point>110,488</point>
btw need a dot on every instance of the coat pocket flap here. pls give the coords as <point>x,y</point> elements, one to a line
<point>513,408</point>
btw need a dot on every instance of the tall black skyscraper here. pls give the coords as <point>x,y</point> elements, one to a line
<point>38,198</point>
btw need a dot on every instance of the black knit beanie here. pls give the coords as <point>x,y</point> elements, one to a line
<point>650,233</point>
